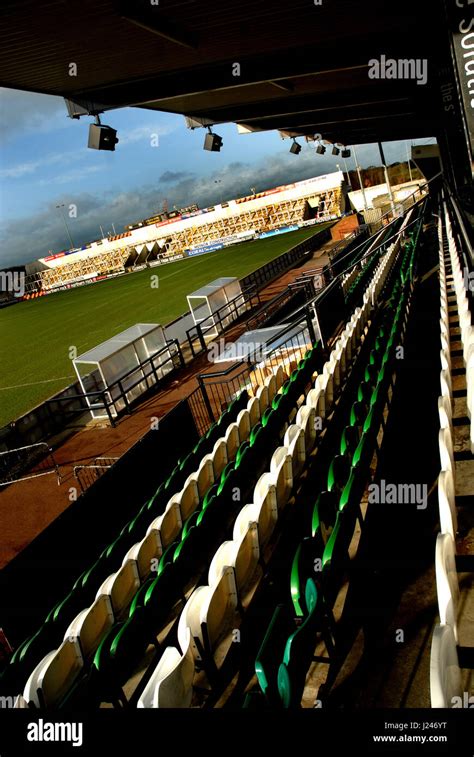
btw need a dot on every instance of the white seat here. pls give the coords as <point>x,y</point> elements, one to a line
<point>171,685</point>
<point>191,494</point>
<point>447,503</point>
<point>282,472</point>
<point>446,385</point>
<point>262,396</point>
<point>271,384</point>
<point>445,675</point>
<point>91,625</point>
<point>243,423</point>
<point>121,587</point>
<point>445,412</point>
<point>447,585</point>
<point>306,419</point>
<point>208,612</point>
<point>294,441</point>
<point>315,399</point>
<point>232,441</point>
<point>241,554</point>
<point>279,377</point>
<point>188,498</point>
<point>144,552</point>
<point>263,511</point>
<point>325,383</point>
<point>168,524</point>
<point>54,675</point>
<point>446,452</point>
<point>253,406</point>
<point>219,458</point>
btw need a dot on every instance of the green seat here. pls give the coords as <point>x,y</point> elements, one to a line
<point>349,440</point>
<point>225,475</point>
<point>241,453</point>
<point>302,568</point>
<point>324,516</point>
<point>299,650</point>
<point>338,472</point>
<point>167,556</point>
<point>270,654</point>
<point>190,523</point>
<point>358,413</point>
<point>254,432</point>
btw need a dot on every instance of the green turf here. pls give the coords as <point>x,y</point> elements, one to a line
<point>38,334</point>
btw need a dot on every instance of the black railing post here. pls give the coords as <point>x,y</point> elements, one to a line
<point>205,398</point>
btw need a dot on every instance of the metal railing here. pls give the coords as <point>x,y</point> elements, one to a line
<point>33,460</point>
<point>89,473</point>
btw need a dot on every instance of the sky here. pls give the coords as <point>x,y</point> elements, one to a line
<point>45,162</point>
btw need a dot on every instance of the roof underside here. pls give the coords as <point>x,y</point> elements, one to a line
<point>303,67</point>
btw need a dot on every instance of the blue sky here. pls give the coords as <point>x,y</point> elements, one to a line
<point>45,161</point>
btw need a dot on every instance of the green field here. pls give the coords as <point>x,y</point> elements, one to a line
<point>36,335</point>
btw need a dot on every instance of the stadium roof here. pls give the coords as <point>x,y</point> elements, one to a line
<point>303,66</point>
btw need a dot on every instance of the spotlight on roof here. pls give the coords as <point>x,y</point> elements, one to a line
<point>295,147</point>
<point>320,149</point>
<point>212,142</point>
<point>345,153</point>
<point>335,150</point>
<point>102,137</point>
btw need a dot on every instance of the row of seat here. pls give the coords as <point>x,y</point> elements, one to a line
<point>209,610</point>
<point>172,536</point>
<point>287,648</point>
<point>445,672</point>
<point>51,630</point>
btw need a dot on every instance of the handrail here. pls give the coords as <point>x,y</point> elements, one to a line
<point>461,226</point>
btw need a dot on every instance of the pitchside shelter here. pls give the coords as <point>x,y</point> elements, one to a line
<point>207,300</point>
<point>110,366</point>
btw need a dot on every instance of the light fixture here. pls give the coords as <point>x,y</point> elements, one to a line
<point>102,137</point>
<point>346,153</point>
<point>320,149</point>
<point>335,150</point>
<point>295,147</point>
<point>212,142</point>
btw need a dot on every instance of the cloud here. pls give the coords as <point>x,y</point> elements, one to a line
<point>174,176</point>
<point>71,176</point>
<point>150,132</point>
<point>29,167</point>
<point>25,112</point>
<point>26,239</point>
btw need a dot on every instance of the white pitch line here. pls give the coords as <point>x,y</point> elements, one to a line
<point>33,383</point>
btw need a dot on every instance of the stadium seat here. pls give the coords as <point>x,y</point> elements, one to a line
<point>171,685</point>
<point>242,555</point>
<point>294,441</point>
<point>270,653</point>
<point>196,486</point>
<point>447,503</point>
<point>306,419</point>
<point>232,441</point>
<point>121,587</point>
<point>281,471</point>
<point>169,524</point>
<point>90,626</point>
<point>445,675</point>
<point>144,552</point>
<point>447,585</point>
<point>446,452</point>
<point>54,675</point>
<point>253,407</point>
<point>263,511</point>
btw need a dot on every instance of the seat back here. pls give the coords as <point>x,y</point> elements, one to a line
<point>91,625</point>
<point>445,675</point>
<point>144,552</point>
<point>121,587</point>
<point>219,457</point>
<point>447,503</point>
<point>281,470</point>
<point>247,553</point>
<point>232,441</point>
<point>171,685</point>
<point>60,673</point>
<point>447,585</point>
<point>243,423</point>
<point>219,608</point>
<point>294,441</point>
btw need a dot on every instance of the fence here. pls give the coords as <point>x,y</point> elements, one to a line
<point>37,459</point>
<point>87,474</point>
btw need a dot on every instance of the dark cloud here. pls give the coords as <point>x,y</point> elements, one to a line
<point>174,176</point>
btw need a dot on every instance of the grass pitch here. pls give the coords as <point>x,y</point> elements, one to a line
<point>36,335</point>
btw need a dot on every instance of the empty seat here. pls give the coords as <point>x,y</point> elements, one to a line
<point>294,441</point>
<point>446,452</point>
<point>196,486</point>
<point>232,441</point>
<point>263,399</point>
<point>447,503</point>
<point>282,473</point>
<point>208,613</point>
<point>445,675</point>
<point>447,585</point>
<point>169,524</point>
<point>54,675</point>
<point>253,407</point>
<point>171,684</point>
<point>144,552</point>
<point>263,511</point>
<point>307,420</point>
<point>219,458</point>
<point>121,587</point>
<point>91,625</point>
<point>242,555</point>
<point>271,384</point>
